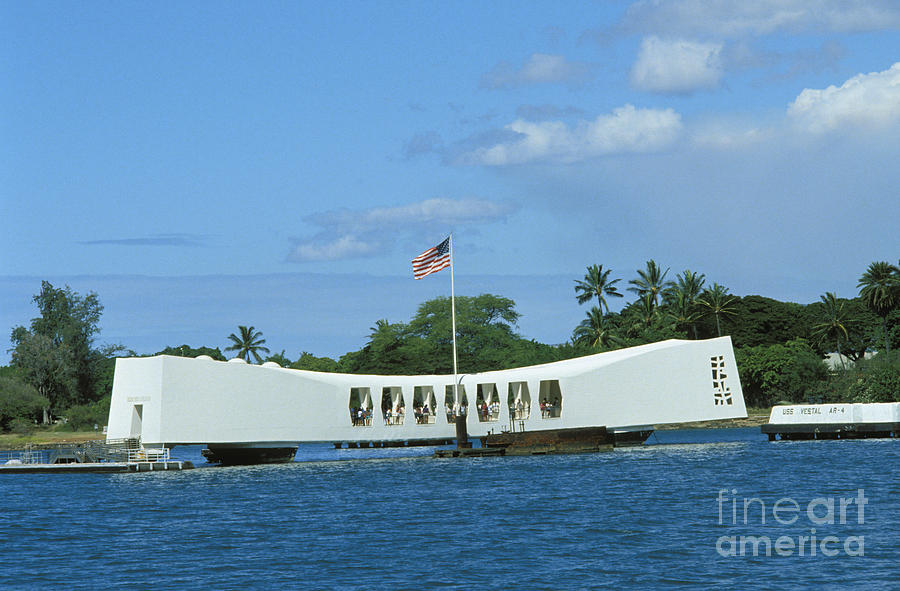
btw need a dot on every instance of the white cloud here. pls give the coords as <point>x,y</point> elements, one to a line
<point>347,234</point>
<point>737,18</point>
<point>342,247</point>
<point>728,136</point>
<point>866,100</point>
<point>625,130</point>
<point>539,69</point>
<point>676,66</point>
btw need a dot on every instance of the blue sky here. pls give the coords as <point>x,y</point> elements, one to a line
<point>166,152</point>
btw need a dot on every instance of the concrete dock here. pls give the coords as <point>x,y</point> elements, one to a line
<point>127,455</point>
<point>21,468</point>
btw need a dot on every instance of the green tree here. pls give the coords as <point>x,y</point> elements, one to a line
<point>879,381</point>
<point>47,369</point>
<point>645,312</point>
<point>682,298</point>
<point>188,351</point>
<point>486,337</point>
<point>879,287</point>
<point>594,332</point>
<point>651,282</point>
<point>310,362</point>
<point>681,312</point>
<point>758,320</point>
<point>279,358</point>
<point>718,303</point>
<point>57,350</point>
<point>83,417</point>
<point>781,372</point>
<point>19,401</point>
<point>640,323</point>
<point>484,327</point>
<point>596,284</point>
<point>863,327</point>
<point>835,326</point>
<point>688,283</point>
<point>387,349</point>
<point>249,344</point>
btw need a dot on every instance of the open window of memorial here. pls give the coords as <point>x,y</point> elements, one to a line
<point>361,407</point>
<point>423,405</point>
<point>487,403</point>
<point>551,399</point>
<point>393,409</point>
<point>519,401</point>
<point>455,407</point>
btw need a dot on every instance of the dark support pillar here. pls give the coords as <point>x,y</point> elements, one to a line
<point>462,436</point>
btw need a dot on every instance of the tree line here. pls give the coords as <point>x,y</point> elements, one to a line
<point>779,346</point>
<point>57,370</point>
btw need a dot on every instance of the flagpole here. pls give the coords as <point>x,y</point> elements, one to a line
<point>453,324</point>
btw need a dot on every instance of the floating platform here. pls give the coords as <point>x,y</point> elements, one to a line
<point>833,421</point>
<point>124,455</point>
<point>97,467</point>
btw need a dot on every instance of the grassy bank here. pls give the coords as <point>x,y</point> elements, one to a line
<point>40,438</point>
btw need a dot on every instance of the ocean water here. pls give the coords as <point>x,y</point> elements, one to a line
<point>657,516</point>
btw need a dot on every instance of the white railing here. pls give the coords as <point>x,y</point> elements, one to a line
<point>148,455</point>
<point>120,450</point>
<point>26,456</point>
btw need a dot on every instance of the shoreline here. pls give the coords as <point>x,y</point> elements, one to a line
<point>50,439</point>
<point>752,420</point>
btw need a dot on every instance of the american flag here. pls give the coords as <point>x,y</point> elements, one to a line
<point>432,260</point>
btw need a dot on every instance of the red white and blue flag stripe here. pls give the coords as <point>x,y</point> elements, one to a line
<point>432,260</point>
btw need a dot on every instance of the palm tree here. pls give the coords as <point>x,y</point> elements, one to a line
<point>681,311</point>
<point>879,288</point>
<point>593,332</point>
<point>248,344</point>
<point>382,327</point>
<point>683,294</point>
<point>384,336</point>
<point>718,302</point>
<point>651,281</point>
<point>596,283</point>
<point>835,324</point>
<point>646,314</point>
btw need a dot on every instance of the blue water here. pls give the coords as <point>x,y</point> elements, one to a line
<point>644,517</point>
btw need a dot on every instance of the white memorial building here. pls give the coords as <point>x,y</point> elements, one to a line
<point>168,401</point>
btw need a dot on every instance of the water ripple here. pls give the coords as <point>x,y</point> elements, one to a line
<point>642,517</point>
